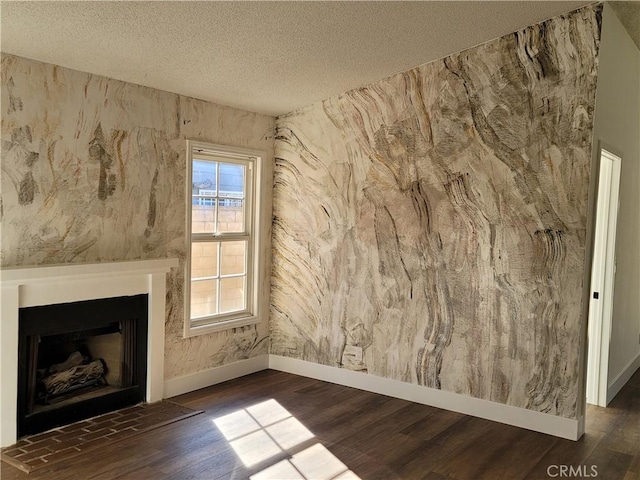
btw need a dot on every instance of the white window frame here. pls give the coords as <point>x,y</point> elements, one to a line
<point>253,263</point>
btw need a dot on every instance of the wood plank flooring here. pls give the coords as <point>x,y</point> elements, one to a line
<point>347,433</point>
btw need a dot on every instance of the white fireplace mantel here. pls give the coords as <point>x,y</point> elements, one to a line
<point>47,285</point>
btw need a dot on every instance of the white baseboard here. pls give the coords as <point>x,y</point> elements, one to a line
<point>581,426</point>
<point>622,378</point>
<point>498,412</point>
<point>206,378</point>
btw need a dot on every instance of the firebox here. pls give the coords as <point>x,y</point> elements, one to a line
<point>81,359</point>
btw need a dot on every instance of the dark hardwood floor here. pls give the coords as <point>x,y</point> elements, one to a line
<point>295,424</point>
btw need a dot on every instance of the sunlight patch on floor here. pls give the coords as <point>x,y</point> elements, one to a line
<point>318,463</point>
<point>236,424</point>
<point>268,430</point>
<point>255,448</point>
<point>289,433</point>
<point>282,470</point>
<point>268,412</point>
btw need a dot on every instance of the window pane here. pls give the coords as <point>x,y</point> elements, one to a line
<point>232,180</point>
<point>232,294</point>
<point>204,259</point>
<point>204,176</point>
<point>204,296</point>
<point>203,210</point>
<point>233,257</point>
<point>231,215</point>
<point>203,192</point>
<point>231,203</point>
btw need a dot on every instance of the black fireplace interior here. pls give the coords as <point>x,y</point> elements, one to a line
<point>81,359</point>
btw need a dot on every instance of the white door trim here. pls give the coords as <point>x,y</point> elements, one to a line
<point>602,277</point>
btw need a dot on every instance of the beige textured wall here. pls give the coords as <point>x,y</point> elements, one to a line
<point>93,170</point>
<point>431,227</point>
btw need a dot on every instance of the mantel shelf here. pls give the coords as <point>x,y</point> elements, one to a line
<point>29,274</point>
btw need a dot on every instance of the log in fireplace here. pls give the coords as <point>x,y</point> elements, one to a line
<point>80,359</point>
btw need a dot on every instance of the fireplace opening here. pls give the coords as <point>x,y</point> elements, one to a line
<point>81,359</point>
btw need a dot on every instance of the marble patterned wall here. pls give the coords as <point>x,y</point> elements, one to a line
<point>93,170</point>
<point>430,227</point>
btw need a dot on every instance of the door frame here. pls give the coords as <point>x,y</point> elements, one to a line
<point>603,274</point>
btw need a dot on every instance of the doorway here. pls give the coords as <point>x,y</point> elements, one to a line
<point>602,277</point>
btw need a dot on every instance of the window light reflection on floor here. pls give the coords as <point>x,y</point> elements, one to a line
<point>268,412</point>
<point>348,475</point>
<point>267,430</point>
<point>255,448</point>
<point>318,463</point>
<point>236,424</point>
<point>282,471</point>
<point>289,433</point>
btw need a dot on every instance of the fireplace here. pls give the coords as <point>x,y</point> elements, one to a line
<point>53,286</point>
<point>80,359</point>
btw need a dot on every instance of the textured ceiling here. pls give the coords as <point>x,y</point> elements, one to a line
<point>267,57</point>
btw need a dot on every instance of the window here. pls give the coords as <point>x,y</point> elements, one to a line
<point>223,262</point>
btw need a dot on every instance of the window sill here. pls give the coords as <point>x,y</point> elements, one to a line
<point>190,331</point>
